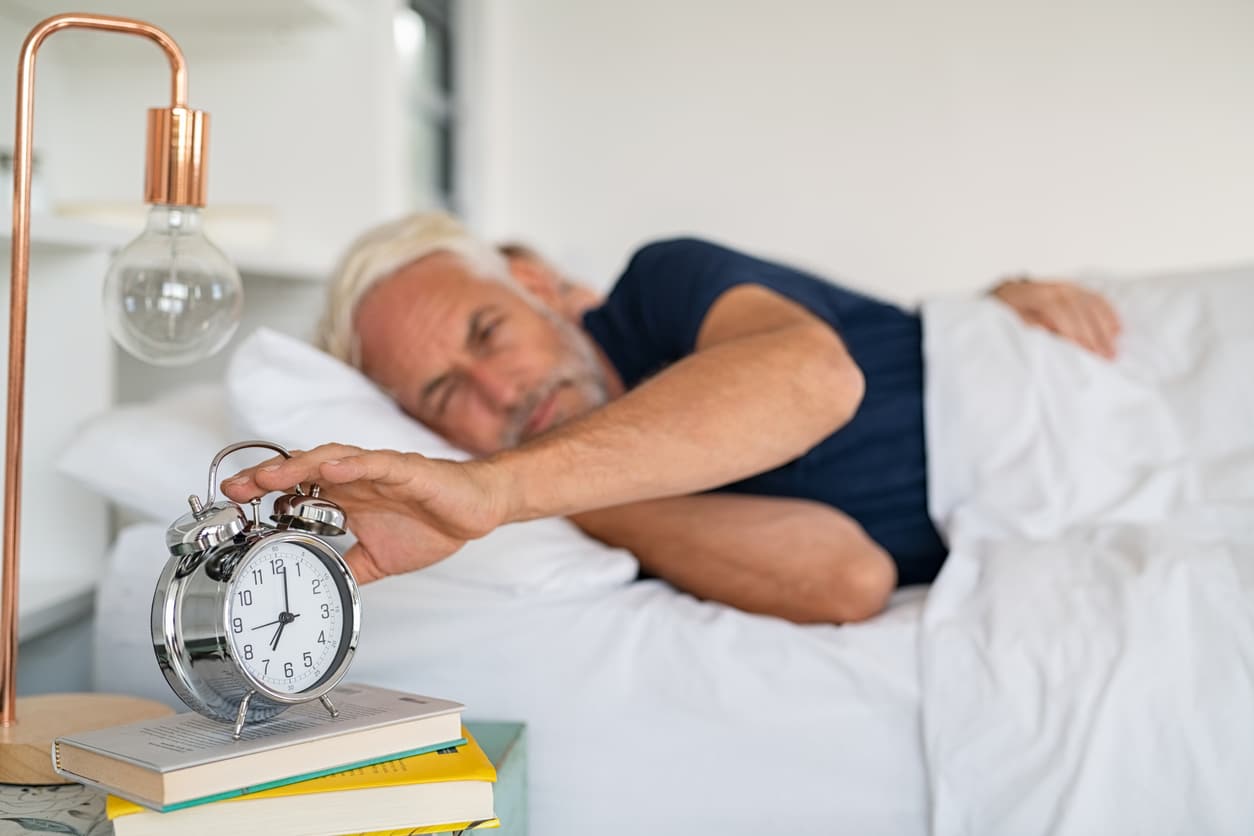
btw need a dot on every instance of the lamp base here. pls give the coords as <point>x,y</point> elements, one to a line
<point>26,746</point>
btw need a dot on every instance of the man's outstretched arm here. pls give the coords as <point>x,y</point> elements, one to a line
<point>796,559</point>
<point>768,381</point>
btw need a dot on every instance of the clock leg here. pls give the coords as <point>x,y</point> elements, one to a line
<point>331,709</point>
<point>242,715</point>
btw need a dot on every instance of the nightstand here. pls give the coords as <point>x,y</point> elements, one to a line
<point>79,810</point>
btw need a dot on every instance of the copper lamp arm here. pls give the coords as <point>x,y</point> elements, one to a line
<point>173,184</point>
<point>125,25</point>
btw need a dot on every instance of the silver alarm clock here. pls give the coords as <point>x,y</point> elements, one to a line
<point>249,618</point>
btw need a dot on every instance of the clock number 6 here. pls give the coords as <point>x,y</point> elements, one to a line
<point>287,669</point>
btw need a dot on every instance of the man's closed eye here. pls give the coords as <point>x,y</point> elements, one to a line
<point>483,337</point>
<point>447,391</point>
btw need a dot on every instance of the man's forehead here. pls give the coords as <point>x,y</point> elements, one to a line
<point>429,290</point>
<point>420,315</point>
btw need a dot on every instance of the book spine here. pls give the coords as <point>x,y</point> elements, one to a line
<point>150,803</point>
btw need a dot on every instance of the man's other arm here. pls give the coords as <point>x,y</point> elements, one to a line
<point>795,559</point>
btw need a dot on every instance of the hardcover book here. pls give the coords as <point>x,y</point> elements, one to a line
<point>186,759</point>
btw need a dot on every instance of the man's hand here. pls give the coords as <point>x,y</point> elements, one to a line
<point>1067,309</point>
<point>407,511</point>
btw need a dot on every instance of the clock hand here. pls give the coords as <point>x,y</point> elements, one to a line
<point>267,624</point>
<point>285,619</point>
<point>286,607</point>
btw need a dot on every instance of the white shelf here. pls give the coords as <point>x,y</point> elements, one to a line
<point>265,265</point>
<point>217,16</point>
<point>50,233</point>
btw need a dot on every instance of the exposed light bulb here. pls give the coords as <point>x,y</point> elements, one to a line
<point>171,297</point>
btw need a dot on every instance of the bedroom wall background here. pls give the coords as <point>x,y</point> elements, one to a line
<point>910,147</point>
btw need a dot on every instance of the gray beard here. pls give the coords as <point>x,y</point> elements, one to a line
<point>580,370</point>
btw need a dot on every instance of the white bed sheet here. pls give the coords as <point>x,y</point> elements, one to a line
<point>1088,651</point>
<point>647,710</point>
<point>1072,635</point>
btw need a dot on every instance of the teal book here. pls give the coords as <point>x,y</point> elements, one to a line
<point>185,759</point>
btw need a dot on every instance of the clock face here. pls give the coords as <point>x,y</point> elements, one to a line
<point>286,617</point>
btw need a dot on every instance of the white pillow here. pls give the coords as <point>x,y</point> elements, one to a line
<point>148,457</point>
<point>285,390</point>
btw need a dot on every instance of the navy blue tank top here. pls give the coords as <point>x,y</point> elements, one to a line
<point>875,467</point>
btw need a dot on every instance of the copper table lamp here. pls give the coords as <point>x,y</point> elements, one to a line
<point>175,298</point>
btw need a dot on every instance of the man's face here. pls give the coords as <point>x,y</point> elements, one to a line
<point>472,359</point>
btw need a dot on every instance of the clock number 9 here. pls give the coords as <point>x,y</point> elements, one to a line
<point>237,625</point>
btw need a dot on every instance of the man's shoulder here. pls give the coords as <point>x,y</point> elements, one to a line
<point>666,275</point>
<point>670,261</point>
<point>682,247</point>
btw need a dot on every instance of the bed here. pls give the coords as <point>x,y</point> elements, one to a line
<point>1084,663</point>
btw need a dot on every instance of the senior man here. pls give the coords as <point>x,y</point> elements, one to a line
<point>752,433</point>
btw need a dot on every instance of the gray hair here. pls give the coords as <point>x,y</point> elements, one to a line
<point>380,252</point>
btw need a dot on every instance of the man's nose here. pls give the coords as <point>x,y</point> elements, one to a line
<point>501,389</point>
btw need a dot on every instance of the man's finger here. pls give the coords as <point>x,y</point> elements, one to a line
<point>387,467</point>
<point>1080,330</point>
<point>241,486</point>
<point>282,474</point>
<point>1106,311</point>
<point>1061,319</point>
<point>362,565</point>
<point>1099,327</point>
<point>1089,307</point>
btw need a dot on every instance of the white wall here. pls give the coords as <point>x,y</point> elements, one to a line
<point>907,146</point>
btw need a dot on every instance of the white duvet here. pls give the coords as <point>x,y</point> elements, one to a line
<point>1087,654</point>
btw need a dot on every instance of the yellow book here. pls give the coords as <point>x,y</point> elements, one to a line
<point>430,793</point>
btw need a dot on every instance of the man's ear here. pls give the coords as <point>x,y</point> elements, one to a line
<point>539,279</point>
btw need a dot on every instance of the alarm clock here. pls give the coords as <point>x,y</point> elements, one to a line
<point>249,618</point>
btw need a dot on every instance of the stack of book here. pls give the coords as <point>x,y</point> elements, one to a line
<point>389,761</point>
